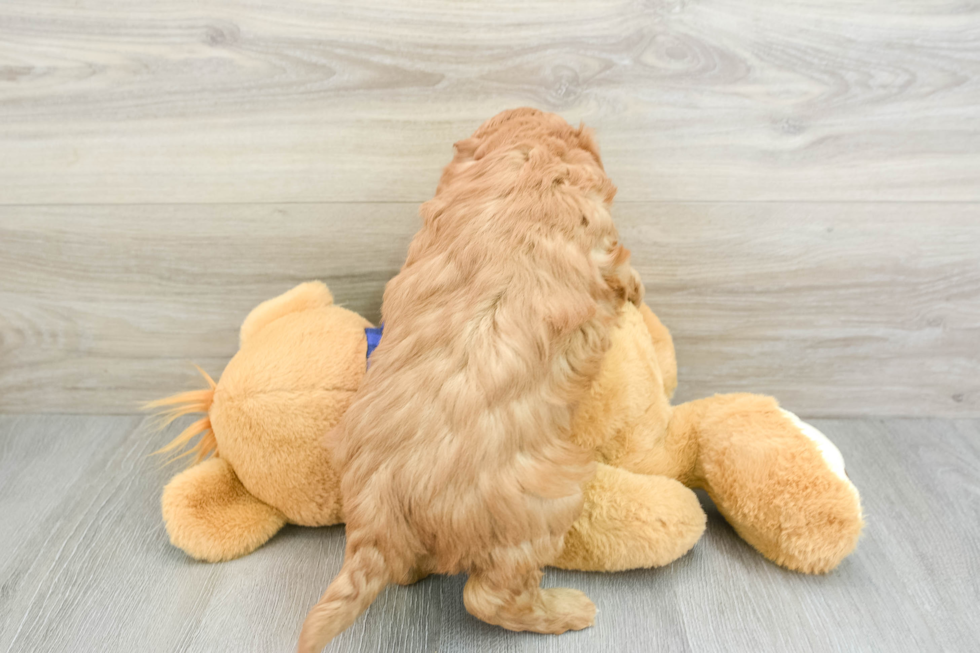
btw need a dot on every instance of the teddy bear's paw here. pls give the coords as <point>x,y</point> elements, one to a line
<point>803,512</point>
<point>830,453</point>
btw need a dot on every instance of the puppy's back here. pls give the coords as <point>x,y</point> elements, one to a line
<point>455,449</point>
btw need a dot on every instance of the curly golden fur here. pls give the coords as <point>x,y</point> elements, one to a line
<point>455,451</point>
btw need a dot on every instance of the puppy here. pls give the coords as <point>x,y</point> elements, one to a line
<point>455,451</point>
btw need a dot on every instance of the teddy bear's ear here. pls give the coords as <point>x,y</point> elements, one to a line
<point>304,297</point>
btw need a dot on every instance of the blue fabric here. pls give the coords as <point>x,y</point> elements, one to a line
<point>373,338</point>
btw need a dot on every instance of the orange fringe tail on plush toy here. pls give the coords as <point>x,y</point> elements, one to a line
<point>187,403</point>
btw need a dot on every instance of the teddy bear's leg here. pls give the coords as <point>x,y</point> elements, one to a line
<point>778,481</point>
<point>212,517</point>
<point>632,521</point>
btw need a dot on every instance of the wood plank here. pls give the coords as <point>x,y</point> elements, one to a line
<point>95,571</point>
<point>103,308</point>
<point>85,564</point>
<point>837,309</point>
<point>212,101</point>
<point>850,309</point>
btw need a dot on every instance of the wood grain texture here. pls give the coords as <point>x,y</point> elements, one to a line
<point>836,309</point>
<point>85,564</point>
<point>219,101</point>
<point>165,168</point>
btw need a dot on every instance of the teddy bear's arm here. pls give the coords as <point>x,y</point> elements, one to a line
<point>631,521</point>
<point>663,345</point>
<point>212,517</point>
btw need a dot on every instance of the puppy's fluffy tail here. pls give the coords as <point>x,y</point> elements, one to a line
<point>362,577</point>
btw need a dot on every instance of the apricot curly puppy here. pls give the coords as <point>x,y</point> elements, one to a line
<point>455,451</point>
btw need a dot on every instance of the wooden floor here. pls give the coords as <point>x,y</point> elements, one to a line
<point>87,565</point>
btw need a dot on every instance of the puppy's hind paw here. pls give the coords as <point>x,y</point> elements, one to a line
<point>568,609</point>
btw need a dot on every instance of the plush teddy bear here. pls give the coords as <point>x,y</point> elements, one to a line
<point>778,481</point>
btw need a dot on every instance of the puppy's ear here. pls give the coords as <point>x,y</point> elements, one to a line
<point>466,149</point>
<point>619,275</point>
<point>569,311</point>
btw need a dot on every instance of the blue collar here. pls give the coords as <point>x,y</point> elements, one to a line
<point>373,338</point>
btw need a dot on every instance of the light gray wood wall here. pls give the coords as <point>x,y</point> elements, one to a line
<point>799,181</point>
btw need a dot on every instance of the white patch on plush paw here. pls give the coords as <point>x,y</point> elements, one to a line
<point>831,454</point>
